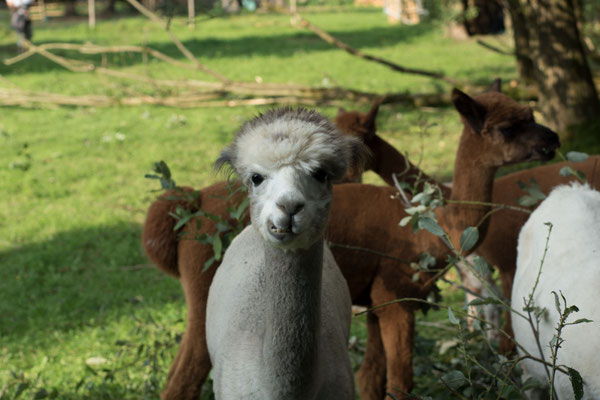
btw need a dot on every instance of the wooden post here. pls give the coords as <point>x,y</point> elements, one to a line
<point>92,13</point>
<point>43,10</point>
<point>191,14</point>
<point>293,6</point>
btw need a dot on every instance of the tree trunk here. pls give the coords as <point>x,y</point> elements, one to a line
<point>489,19</point>
<point>568,96</point>
<point>110,7</point>
<point>525,66</point>
<point>70,9</point>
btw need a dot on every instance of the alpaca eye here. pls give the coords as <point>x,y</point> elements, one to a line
<point>257,179</point>
<point>508,131</point>
<point>320,175</point>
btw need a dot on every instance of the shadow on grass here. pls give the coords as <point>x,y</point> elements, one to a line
<point>76,277</point>
<point>283,45</point>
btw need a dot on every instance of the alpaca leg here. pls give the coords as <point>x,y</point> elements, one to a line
<point>397,324</point>
<point>506,346</point>
<point>371,375</point>
<point>190,368</point>
<point>192,363</point>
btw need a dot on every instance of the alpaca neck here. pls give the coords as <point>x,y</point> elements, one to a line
<point>472,182</point>
<point>292,290</point>
<point>388,161</point>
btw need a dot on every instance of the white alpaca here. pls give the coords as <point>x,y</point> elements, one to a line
<point>572,265</point>
<point>279,309</point>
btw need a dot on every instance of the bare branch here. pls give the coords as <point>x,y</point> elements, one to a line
<point>177,42</point>
<point>395,67</point>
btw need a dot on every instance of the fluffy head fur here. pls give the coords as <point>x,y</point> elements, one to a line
<point>288,159</point>
<point>283,137</point>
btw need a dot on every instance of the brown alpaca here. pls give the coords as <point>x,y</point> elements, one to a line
<point>366,216</point>
<point>385,160</point>
<point>377,280</point>
<point>499,246</point>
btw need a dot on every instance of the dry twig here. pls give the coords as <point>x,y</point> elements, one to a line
<point>398,68</point>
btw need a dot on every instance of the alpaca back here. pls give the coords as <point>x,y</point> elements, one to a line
<point>571,266</point>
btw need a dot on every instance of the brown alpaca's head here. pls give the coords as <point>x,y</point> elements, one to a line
<point>502,129</point>
<point>363,126</point>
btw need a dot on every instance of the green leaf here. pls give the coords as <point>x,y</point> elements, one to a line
<point>482,302</point>
<point>208,263</point>
<point>422,198</point>
<point>404,221</point>
<point>451,317</point>
<point>534,190</point>
<point>576,383</point>
<point>217,247</point>
<point>570,310</point>
<point>181,222</point>
<point>580,321</point>
<point>431,225</point>
<point>454,379</point>
<point>576,156</point>
<point>469,238</point>
<point>426,261</point>
<point>527,201</point>
<point>241,208</point>
<point>508,392</point>
<point>481,266</point>
<point>566,171</point>
<point>40,394</point>
<point>556,302</point>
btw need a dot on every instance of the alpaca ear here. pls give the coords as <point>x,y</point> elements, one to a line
<point>226,160</point>
<point>472,111</point>
<point>496,86</point>
<point>359,155</point>
<point>369,121</point>
<point>341,111</point>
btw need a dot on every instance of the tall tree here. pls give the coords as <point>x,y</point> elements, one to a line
<point>525,66</point>
<point>488,20</point>
<point>567,93</point>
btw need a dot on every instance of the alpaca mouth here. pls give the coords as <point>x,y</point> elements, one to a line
<point>280,233</point>
<point>545,153</point>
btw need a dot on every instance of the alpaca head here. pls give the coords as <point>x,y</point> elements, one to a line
<point>289,159</point>
<point>505,131</point>
<point>362,125</point>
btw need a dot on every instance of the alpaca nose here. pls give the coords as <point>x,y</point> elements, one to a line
<point>290,207</point>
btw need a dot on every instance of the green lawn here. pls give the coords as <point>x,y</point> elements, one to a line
<point>82,314</point>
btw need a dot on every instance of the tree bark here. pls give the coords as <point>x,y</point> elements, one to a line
<point>489,19</point>
<point>568,97</point>
<point>70,8</point>
<point>110,7</point>
<point>525,66</point>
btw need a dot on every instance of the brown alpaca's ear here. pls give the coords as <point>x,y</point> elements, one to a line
<point>496,86</point>
<point>341,111</point>
<point>472,111</point>
<point>370,118</point>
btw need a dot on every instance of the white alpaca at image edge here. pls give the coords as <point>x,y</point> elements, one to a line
<point>571,266</point>
<point>279,309</point>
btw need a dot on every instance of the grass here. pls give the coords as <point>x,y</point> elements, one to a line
<point>83,315</point>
